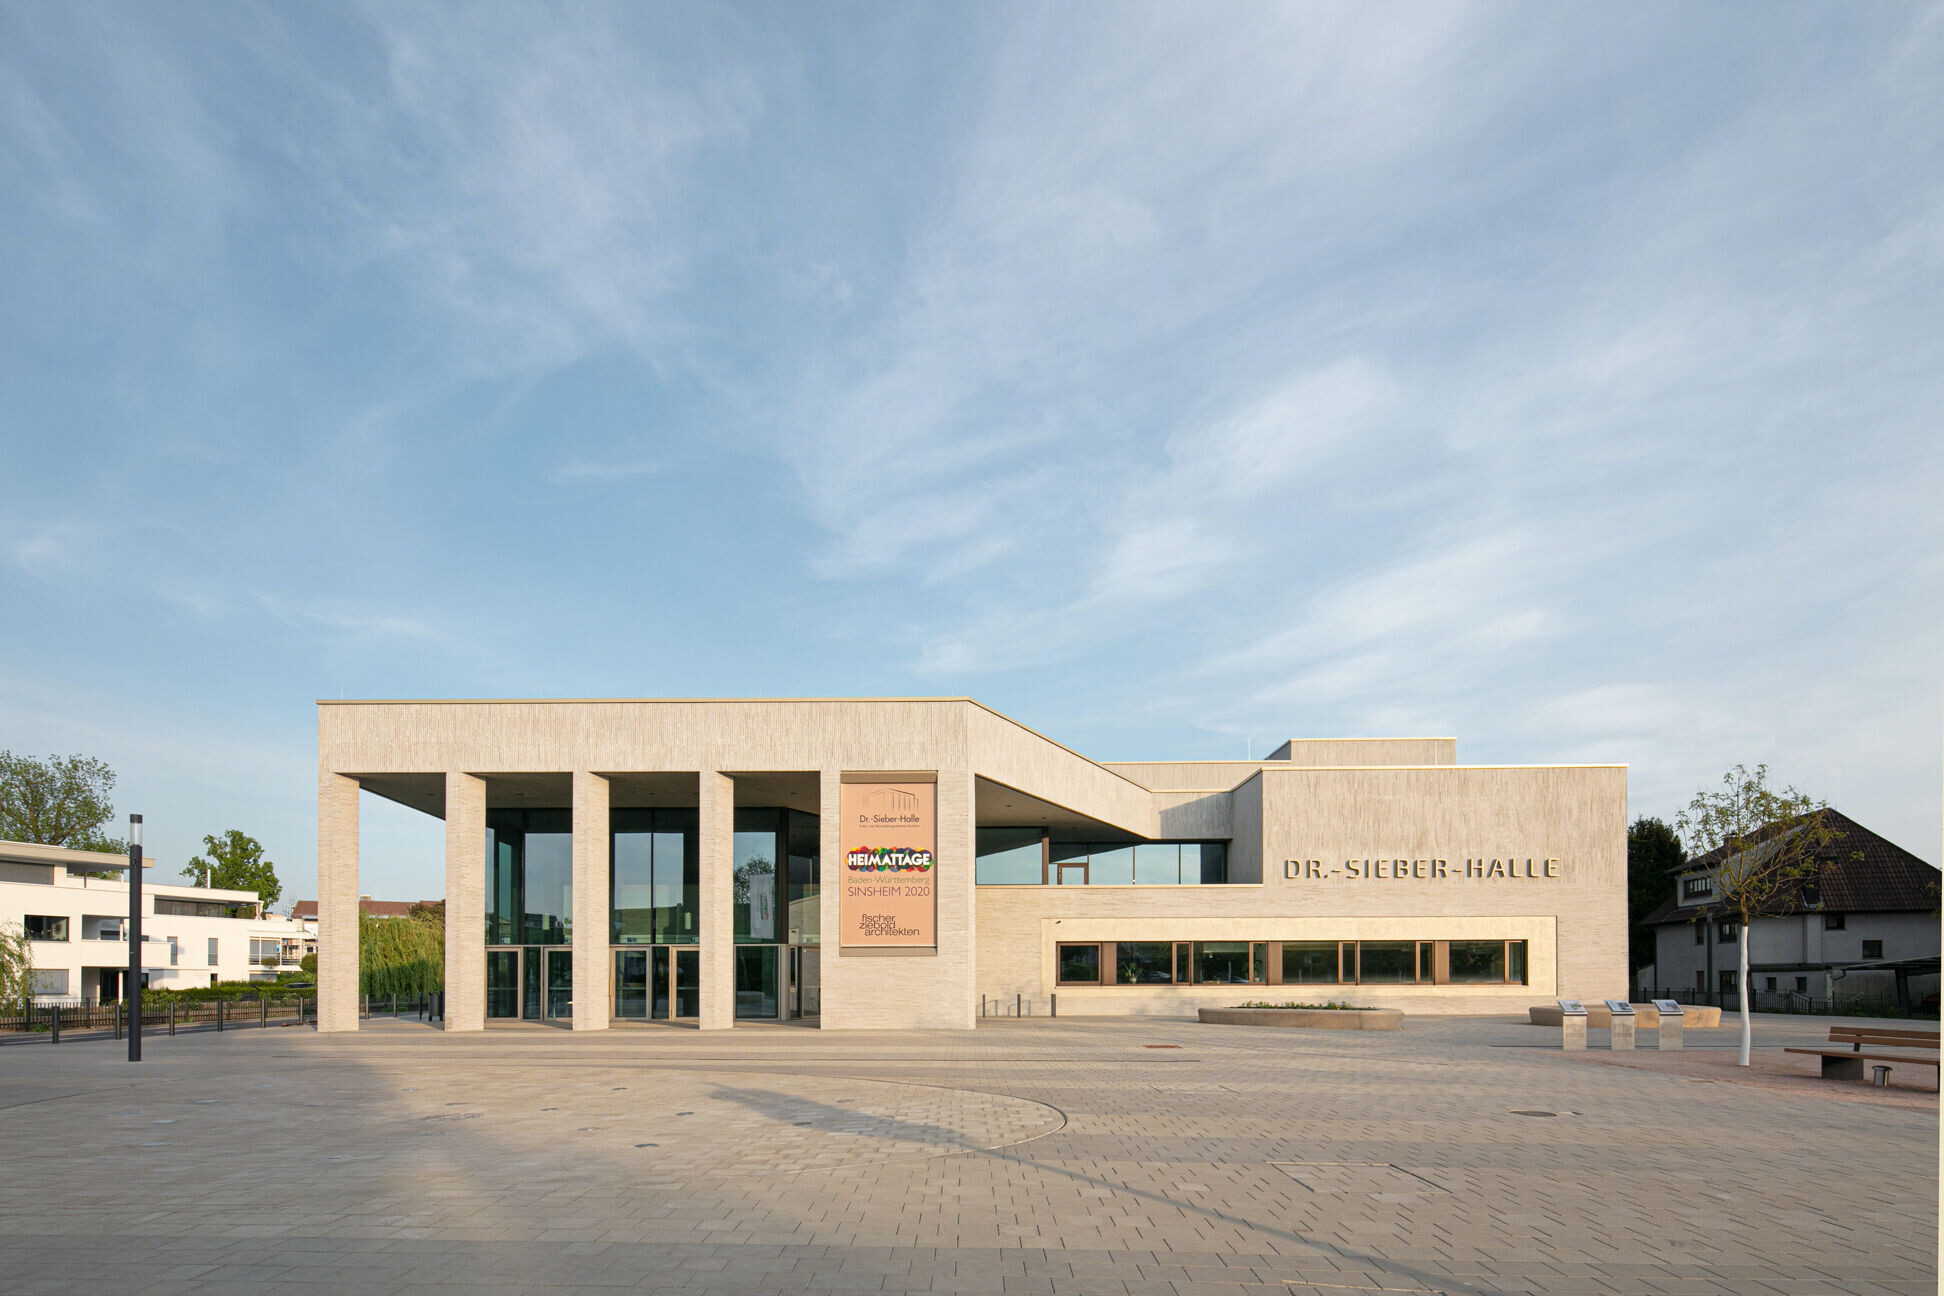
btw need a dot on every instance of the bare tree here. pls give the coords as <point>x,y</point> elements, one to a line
<point>1762,845</point>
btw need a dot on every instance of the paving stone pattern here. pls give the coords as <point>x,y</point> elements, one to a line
<point>1028,1156</point>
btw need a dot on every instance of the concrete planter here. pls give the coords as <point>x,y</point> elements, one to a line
<point>1388,1019</point>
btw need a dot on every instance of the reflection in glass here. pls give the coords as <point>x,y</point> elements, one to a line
<point>530,983</point>
<point>530,887</point>
<point>1309,962</point>
<point>631,984</point>
<point>1515,962</point>
<point>1009,857</point>
<point>1214,863</point>
<point>502,983</point>
<point>1158,864</point>
<point>1477,962</point>
<point>1143,963</point>
<point>688,982</point>
<point>756,981</point>
<point>754,880</point>
<point>1080,963</point>
<point>1387,962</point>
<point>806,879</point>
<point>1221,962</point>
<point>1110,865</point>
<point>560,983</point>
<point>631,878</point>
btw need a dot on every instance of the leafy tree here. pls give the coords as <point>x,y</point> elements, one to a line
<point>1763,845</point>
<point>235,863</point>
<point>61,801</point>
<point>308,963</point>
<point>432,911</point>
<point>16,966</point>
<point>1653,853</point>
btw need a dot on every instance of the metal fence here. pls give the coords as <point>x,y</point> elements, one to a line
<point>1794,1002</point>
<point>52,1021</point>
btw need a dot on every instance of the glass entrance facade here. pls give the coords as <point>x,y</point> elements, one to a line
<point>657,983</point>
<point>654,913</point>
<point>530,982</point>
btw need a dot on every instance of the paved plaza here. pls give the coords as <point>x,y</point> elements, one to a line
<point>1100,1156</point>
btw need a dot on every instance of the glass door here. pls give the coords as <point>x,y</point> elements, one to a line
<point>560,983</point>
<point>660,1000</point>
<point>631,984</point>
<point>806,989</point>
<point>530,1002</point>
<point>688,982</point>
<point>503,983</point>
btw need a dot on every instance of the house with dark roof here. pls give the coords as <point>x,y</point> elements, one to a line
<point>1862,927</point>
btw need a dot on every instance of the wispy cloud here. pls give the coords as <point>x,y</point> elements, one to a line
<point>580,472</point>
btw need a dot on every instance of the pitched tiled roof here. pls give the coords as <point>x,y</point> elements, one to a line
<point>370,908</point>
<point>1861,873</point>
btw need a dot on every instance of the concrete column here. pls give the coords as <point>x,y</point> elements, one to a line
<point>337,902</point>
<point>836,988</point>
<point>465,889</point>
<point>958,925</point>
<point>592,962</point>
<point>716,841</point>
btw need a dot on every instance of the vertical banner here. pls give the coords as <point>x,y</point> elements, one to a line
<point>889,890</point>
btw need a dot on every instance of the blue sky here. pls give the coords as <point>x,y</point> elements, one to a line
<point>1174,379</point>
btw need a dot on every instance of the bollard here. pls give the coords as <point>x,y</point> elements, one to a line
<point>219,1015</point>
<point>982,1001</point>
<point>1572,1025</point>
<point>1671,1022</point>
<point>263,1012</point>
<point>1620,1034</point>
<point>117,1019</point>
<point>54,1025</point>
<point>1018,1005</point>
<point>1056,1004</point>
<point>171,1016</point>
<point>394,1003</point>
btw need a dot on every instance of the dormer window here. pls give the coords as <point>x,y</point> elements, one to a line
<point>1696,888</point>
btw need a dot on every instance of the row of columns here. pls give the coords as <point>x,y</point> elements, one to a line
<point>465,887</point>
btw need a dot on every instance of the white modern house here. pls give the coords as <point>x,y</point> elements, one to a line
<point>76,925</point>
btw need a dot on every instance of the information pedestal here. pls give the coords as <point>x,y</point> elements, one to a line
<point>1671,1019</point>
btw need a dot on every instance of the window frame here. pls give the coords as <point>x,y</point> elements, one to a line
<point>1059,961</point>
<point>1868,945</point>
<point>61,922</point>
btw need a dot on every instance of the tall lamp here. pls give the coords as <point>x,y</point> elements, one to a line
<point>133,995</point>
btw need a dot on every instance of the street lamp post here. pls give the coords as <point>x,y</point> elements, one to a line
<point>133,994</point>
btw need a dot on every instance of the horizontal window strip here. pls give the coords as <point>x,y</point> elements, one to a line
<point>1374,963</point>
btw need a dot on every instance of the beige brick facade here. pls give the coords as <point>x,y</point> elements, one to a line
<point>1312,849</point>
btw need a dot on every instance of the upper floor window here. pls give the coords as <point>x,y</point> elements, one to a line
<point>1835,921</point>
<point>1695,887</point>
<point>44,928</point>
<point>1873,949</point>
<point>1729,932</point>
<point>1028,857</point>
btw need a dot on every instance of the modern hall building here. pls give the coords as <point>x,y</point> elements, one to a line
<point>912,862</point>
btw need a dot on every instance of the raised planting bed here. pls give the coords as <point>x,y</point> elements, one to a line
<point>1308,1016</point>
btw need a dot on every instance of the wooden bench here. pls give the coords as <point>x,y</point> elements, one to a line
<point>1847,1063</point>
